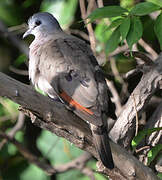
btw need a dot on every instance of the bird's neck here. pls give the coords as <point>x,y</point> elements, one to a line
<point>42,39</point>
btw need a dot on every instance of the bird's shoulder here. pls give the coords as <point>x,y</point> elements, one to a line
<point>70,49</point>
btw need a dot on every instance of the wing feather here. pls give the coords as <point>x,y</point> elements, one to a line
<point>62,56</point>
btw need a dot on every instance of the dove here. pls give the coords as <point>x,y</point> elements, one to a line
<point>64,67</point>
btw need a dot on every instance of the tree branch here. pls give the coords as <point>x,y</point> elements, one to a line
<point>142,56</point>
<point>124,127</point>
<point>53,116</point>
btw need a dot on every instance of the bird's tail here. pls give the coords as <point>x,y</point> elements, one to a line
<point>100,139</point>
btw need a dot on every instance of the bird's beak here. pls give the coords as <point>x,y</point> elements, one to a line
<point>27,33</point>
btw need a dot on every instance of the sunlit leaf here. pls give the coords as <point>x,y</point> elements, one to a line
<point>144,8</point>
<point>101,32</point>
<point>153,153</point>
<point>126,3</point>
<point>106,12</point>
<point>157,2</point>
<point>115,23</point>
<point>141,135</point>
<point>158,29</point>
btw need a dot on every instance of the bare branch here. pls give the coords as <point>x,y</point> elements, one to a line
<point>19,124</point>
<point>116,98</point>
<point>142,56</point>
<point>148,48</point>
<point>154,122</point>
<point>18,71</point>
<point>54,117</point>
<point>123,129</point>
<point>84,15</point>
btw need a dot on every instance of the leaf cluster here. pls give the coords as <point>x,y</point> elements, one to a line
<point>127,24</point>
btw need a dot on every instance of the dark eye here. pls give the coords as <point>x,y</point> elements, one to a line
<point>37,22</point>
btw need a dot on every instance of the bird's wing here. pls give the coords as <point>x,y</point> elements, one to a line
<point>69,67</point>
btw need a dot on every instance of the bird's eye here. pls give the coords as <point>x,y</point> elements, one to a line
<point>38,22</point>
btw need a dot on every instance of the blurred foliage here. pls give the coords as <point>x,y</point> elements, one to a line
<point>64,11</point>
<point>128,22</point>
<point>160,175</point>
<point>130,27</point>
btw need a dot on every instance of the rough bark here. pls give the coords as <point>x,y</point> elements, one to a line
<point>124,128</point>
<point>54,117</point>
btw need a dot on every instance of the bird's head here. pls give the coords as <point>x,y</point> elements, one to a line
<point>41,25</point>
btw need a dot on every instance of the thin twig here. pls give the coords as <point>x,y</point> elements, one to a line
<point>18,71</point>
<point>142,148</point>
<point>19,124</point>
<point>135,107</point>
<point>148,48</point>
<point>115,71</point>
<point>119,50</point>
<point>131,73</point>
<point>140,55</point>
<point>80,33</point>
<point>89,25</point>
<point>116,98</point>
<point>100,3</point>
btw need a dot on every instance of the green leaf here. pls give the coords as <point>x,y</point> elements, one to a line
<point>113,41</point>
<point>115,23</point>
<point>144,8</point>
<point>107,12</point>
<point>158,29</point>
<point>137,139</point>
<point>158,2</point>
<point>153,153</point>
<point>124,28</point>
<point>135,32</point>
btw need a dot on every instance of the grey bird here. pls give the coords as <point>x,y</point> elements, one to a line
<point>65,68</point>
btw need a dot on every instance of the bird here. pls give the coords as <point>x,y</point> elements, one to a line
<point>63,66</point>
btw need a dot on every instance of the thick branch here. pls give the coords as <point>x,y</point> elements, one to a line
<point>154,122</point>
<point>55,118</point>
<point>124,127</point>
